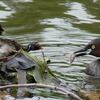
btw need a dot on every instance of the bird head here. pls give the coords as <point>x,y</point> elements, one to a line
<point>92,48</point>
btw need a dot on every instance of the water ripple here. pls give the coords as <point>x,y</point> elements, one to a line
<point>80,12</point>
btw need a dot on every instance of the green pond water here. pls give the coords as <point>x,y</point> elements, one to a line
<point>61,26</point>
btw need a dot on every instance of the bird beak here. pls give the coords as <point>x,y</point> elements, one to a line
<point>81,52</point>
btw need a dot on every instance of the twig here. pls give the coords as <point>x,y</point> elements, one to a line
<point>43,56</point>
<point>36,85</point>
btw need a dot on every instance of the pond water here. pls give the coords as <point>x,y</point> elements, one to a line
<point>61,26</point>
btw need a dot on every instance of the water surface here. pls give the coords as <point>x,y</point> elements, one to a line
<point>61,26</point>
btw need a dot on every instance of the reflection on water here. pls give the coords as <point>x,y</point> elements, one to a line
<point>23,1</point>
<point>80,12</point>
<point>6,12</point>
<point>60,26</point>
<point>5,6</point>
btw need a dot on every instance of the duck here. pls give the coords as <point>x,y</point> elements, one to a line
<point>92,48</point>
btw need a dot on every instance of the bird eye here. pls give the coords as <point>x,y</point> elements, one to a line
<point>93,46</point>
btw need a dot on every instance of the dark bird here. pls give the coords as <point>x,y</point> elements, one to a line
<point>1,30</point>
<point>92,48</point>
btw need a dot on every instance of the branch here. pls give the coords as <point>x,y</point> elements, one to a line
<point>36,85</point>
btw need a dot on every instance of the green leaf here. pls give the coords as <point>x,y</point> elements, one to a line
<point>41,73</point>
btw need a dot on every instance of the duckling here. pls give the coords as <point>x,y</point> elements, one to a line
<point>8,47</point>
<point>92,48</point>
